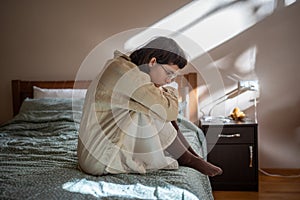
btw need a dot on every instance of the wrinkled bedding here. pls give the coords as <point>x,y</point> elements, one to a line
<point>38,160</point>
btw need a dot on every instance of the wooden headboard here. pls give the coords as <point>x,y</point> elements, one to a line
<point>24,89</point>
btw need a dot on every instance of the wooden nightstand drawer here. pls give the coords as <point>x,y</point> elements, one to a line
<point>229,135</point>
<point>233,147</point>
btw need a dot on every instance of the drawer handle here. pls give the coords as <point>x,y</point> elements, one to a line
<point>251,156</point>
<point>229,136</point>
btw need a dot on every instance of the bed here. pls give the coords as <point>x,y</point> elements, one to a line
<point>38,154</point>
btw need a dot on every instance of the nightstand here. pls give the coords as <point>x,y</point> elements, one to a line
<point>233,147</point>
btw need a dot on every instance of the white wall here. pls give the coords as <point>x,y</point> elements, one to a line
<point>279,72</point>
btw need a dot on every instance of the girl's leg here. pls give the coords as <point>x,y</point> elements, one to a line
<point>180,151</point>
<point>183,140</point>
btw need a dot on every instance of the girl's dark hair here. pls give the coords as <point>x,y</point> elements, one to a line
<point>165,50</point>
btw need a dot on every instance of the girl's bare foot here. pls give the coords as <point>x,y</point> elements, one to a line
<point>209,169</point>
<point>200,165</point>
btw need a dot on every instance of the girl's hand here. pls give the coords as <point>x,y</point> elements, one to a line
<point>172,84</point>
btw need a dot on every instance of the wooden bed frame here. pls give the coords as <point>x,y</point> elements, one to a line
<point>24,89</point>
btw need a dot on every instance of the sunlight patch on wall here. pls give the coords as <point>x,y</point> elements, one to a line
<point>289,2</point>
<point>245,63</point>
<point>207,23</point>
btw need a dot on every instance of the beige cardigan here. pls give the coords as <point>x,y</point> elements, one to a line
<point>125,125</point>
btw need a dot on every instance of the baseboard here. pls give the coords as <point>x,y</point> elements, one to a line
<point>281,171</point>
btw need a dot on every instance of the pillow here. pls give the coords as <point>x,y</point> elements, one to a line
<point>39,93</point>
<point>52,104</point>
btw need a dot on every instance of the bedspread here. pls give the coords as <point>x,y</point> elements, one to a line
<point>38,160</point>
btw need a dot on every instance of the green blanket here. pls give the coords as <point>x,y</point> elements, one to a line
<point>38,160</point>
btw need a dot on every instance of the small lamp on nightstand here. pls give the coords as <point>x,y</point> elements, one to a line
<point>243,87</point>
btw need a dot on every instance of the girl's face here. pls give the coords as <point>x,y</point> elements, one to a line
<point>162,74</point>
